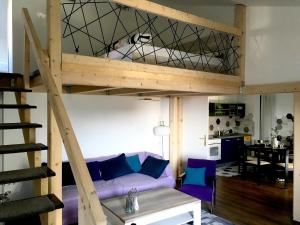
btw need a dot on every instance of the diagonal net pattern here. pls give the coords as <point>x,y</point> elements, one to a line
<point>105,29</point>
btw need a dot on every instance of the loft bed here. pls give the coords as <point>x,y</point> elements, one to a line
<point>99,73</point>
<point>157,51</point>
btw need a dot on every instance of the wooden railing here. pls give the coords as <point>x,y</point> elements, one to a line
<point>90,210</point>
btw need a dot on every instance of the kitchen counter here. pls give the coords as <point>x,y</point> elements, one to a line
<point>228,136</point>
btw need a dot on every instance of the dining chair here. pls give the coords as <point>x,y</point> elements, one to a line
<point>284,163</point>
<point>259,158</point>
<point>206,192</point>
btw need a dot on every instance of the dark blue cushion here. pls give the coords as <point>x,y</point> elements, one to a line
<point>94,170</point>
<point>67,175</point>
<point>134,163</point>
<point>154,167</point>
<point>195,176</point>
<point>114,167</point>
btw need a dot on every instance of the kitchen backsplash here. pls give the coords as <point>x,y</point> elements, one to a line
<point>235,123</point>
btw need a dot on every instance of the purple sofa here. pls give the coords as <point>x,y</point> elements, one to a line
<point>115,187</point>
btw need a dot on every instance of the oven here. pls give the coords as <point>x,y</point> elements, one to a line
<point>214,149</point>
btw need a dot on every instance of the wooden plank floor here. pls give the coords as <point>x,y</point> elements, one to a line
<point>243,202</point>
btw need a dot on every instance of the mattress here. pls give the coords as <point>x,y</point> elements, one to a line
<point>149,54</point>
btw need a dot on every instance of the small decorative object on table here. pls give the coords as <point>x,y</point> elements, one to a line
<point>132,204</point>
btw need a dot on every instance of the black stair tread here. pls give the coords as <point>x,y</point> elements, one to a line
<point>13,89</point>
<point>19,209</point>
<point>10,75</point>
<point>16,106</point>
<point>8,149</point>
<point>8,126</point>
<point>25,174</point>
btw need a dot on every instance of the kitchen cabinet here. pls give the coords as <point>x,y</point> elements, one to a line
<point>225,109</point>
<point>230,149</point>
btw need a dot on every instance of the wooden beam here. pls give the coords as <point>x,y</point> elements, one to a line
<point>272,88</point>
<point>86,189</point>
<point>170,93</point>
<point>103,91</point>
<point>171,13</point>
<point>54,139</point>
<point>175,135</point>
<point>296,198</point>
<point>129,91</point>
<point>240,22</point>
<point>92,71</point>
<point>79,89</point>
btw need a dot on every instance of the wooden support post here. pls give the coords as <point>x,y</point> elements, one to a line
<point>296,199</point>
<point>54,138</point>
<point>240,22</point>
<point>85,186</point>
<point>176,134</point>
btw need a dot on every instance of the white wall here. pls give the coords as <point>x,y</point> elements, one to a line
<point>222,13</point>
<point>195,127</point>
<point>296,190</point>
<point>252,106</point>
<point>4,36</point>
<point>272,44</point>
<point>18,32</point>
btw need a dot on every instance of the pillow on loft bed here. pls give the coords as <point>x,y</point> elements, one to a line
<point>139,38</point>
<point>115,167</point>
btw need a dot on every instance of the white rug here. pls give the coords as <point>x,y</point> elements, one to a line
<point>227,171</point>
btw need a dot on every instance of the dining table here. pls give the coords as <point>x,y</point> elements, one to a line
<point>273,155</point>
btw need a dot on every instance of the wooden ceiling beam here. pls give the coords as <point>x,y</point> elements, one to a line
<point>92,71</point>
<point>272,88</point>
<point>130,91</point>
<point>79,89</point>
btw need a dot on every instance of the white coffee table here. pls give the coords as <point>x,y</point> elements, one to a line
<point>160,206</point>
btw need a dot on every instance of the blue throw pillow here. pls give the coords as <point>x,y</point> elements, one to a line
<point>94,170</point>
<point>67,175</point>
<point>195,176</point>
<point>134,163</point>
<point>154,167</point>
<point>115,167</point>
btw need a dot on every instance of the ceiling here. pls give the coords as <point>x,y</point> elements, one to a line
<point>233,2</point>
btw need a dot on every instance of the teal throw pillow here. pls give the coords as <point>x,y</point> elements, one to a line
<point>195,176</point>
<point>134,163</point>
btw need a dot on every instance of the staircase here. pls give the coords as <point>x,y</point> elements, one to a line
<point>29,207</point>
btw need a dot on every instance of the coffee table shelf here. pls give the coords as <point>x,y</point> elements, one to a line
<point>160,206</point>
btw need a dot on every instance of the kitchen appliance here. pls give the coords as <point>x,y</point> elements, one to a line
<point>214,149</point>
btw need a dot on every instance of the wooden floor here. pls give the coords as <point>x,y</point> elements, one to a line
<point>243,202</point>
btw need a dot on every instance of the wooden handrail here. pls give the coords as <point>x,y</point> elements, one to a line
<point>90,204</point>
<point>152,7</point>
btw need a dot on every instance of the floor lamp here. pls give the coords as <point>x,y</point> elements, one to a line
<point>161,130</point>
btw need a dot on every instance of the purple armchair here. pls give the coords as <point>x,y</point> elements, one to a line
<point>208,192</point>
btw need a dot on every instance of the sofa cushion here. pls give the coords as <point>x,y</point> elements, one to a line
<point>114,167</point>
<point>94,170</point>
<point>67,174</point>
<point>134,162</point>
<point>195,176</point>
<point>154,167</point>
